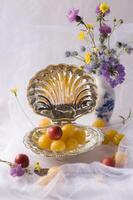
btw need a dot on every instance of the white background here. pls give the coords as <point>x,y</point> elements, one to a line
<point>22,28</point>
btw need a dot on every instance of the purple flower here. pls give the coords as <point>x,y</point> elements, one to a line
<point>72,14</point>
<point>17,171</point>
<point>105,29</point>
<point>114,75</point>
<point>98,12</point>
<point>90,68</point>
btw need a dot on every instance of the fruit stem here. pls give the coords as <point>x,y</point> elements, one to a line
<point>24,111</point>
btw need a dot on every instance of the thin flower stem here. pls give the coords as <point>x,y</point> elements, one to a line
<point>87,40</point>
<point>114,28</point>
<point>91,36</point>
<point>6,162</point>
<point>130,42</point>
<point>120,52</point>
<point>125,119</point>
<point>109,41</point>
<point>79,58</point>
<point>24,112</point>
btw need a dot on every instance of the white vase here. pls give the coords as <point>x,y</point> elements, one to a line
<point>106,99</point>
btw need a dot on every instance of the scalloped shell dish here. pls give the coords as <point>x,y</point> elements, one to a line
<point>62,92</point>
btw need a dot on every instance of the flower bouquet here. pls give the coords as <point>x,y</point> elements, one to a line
<point>100,58</point>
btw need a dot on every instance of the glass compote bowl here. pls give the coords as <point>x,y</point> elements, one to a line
<point>63,93</point>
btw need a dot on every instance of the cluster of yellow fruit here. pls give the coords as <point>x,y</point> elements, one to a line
<point>110,135</point>
<point>59,139</point>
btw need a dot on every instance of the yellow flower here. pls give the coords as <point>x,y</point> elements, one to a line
<point>90,26</point>
<point>37,167</point>
<point>95,49</point>
<point>104,7</point>
<point>81,35</point>
<point>14,91</point>
<point>87,57</point>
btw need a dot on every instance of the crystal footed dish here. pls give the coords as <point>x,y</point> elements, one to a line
<point>62,93</point>
<point>94,137</point>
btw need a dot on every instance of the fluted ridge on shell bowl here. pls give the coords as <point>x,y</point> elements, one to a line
<point>62,92</point>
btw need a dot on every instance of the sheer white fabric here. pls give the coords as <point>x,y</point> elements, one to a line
<point>77,181</point>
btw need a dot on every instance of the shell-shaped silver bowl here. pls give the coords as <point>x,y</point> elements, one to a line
<point>62,92</point>
<point>94,138</point>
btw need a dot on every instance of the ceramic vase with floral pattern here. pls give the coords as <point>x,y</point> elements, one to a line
<point>106,99</point>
